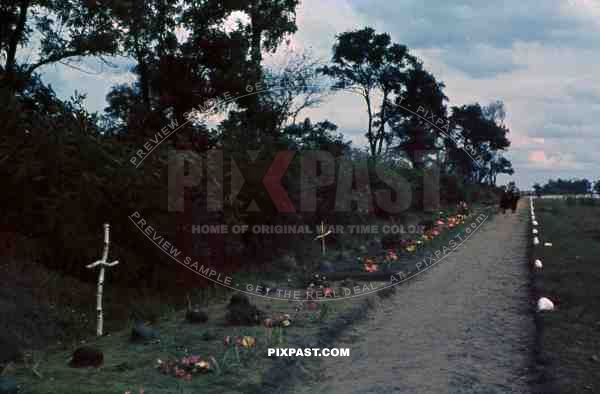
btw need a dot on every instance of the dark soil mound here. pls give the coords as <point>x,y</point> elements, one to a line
<point>87,357</point>
<point>240,312</point>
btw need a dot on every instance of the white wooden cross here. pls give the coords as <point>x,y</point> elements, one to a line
<point>102,263</point>
<point>322,235</point>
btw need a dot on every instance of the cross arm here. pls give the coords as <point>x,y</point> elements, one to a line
<point>103,263</point>
<point>323,235</point>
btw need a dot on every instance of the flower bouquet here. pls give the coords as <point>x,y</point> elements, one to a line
<point>184,367</point>
<point>370,265</point>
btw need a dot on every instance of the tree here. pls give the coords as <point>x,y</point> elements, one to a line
<point>537,188</point>
<point>68,29</point>
<point>270,22</point>
<point>176,76</point>
<point>597,187</point>
<point>480,138</point>
<point>214,59</point>
<point>147,32</point>
<point>567,186</point>
<point>420,99</point>
<point>499,165</point>
<point>495,111</point>
<point>297,86</point>
<point>368,63</point>
<point>123,111</point>
<point>319,136</point>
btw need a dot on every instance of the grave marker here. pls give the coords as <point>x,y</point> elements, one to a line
<point>103,264</point>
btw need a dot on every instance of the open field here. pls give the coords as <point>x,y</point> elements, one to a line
<point>568,343</point>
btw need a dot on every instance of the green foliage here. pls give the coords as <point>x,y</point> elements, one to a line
<point>67,171</point>
<point>366,62</point>
<point>306,136</point>
<point>69,28</point>
<point>566,186</point>
<point>483,136</point>
<point>66,180</point>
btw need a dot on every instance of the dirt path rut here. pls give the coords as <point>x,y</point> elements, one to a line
<point>463,327</point>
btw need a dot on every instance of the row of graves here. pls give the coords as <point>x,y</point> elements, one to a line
<point>379,258</point>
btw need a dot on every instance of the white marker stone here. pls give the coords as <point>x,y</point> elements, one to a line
<point>544,304</point>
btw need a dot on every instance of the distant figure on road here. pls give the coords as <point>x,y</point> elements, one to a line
<point>509,198</point>
<point>505,200</point>
<point>514,200</point>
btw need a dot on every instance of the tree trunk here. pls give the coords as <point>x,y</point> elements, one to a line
<point>144,82</point>
<point>142,71</point>
<point>16,36</point>
<point>252,106</point>
<point>370,136</point>
<point>255,40</point>
<point>381,133</point>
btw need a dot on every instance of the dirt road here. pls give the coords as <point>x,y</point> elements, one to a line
<point>462,327</point>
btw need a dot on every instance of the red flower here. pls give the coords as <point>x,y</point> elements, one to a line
<point>269,323</point>
<point>392,255</point>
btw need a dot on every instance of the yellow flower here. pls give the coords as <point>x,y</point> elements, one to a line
<point>248,342</point>
<point>411,248</point>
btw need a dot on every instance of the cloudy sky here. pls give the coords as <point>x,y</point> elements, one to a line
<point>541,57</point>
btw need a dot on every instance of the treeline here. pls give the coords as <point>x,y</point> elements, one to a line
<point>567,186</point>
<point>68,169</point>
<point>214,55</point>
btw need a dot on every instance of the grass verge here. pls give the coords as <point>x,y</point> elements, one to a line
<point>567,350</point>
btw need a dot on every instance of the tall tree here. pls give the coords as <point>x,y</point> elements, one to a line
<point>297,85</point>
<point>499,165</point>
<point>175,75</point>
<point>368,63</point>
<point>480,137</point>
<point>68,29</point>
<point>320,136</point>
<point>147,29</point>
<point>419,105</point>
<point>270,22</point>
